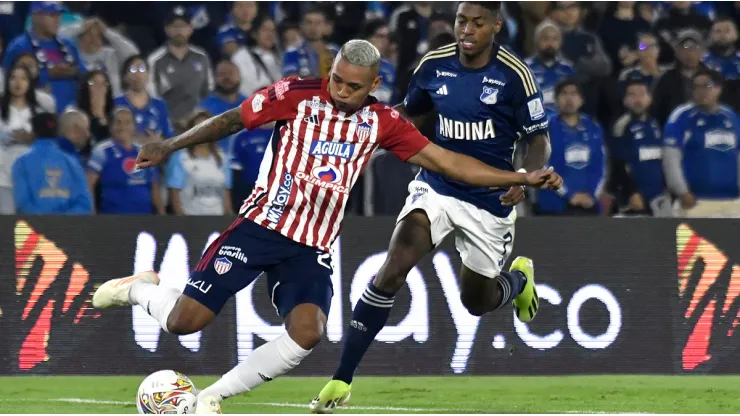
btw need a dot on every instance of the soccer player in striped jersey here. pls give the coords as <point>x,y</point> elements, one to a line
<point>486,101</point>
<point>325,132</point>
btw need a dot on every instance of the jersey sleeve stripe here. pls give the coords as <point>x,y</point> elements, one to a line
<point>437,53</point>
<point>530,87</point>
<point>434,56</point>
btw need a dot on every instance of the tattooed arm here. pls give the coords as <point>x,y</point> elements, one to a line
<point>211,130</point>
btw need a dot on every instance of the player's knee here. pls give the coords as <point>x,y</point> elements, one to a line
<point>306,334</point>
<point>305,325</point>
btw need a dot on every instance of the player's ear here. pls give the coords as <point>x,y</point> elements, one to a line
<point>499,24</point>
<point>376,83</point>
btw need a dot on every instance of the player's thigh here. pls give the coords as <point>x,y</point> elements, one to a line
<point>483,240</point>
<point>230,264</point>
<point>422,224</point>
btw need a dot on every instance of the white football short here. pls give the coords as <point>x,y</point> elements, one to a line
<point>483,240</point>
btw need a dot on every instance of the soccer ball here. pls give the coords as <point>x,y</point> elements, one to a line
<point>166,392</point>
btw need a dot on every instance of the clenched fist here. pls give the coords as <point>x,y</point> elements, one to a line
<point>152,154</point>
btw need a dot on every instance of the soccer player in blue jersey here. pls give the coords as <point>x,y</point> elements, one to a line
<point>486,101</point>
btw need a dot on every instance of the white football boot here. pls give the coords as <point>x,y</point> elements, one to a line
<point>208,406</point>
<point>115,292</point>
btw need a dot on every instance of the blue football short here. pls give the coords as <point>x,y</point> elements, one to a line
<point>296,273</point>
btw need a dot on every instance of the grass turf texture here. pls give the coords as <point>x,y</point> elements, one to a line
<point>572,394</point>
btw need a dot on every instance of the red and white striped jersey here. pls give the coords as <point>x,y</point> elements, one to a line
<point>315,156</point>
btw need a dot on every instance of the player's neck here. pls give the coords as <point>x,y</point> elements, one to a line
<point>18,101</point>
<point>178,50</point>
<point>708,109</point>
<point>571,119</point>
<point>317,45</point>
<point>138,98</point>
<point>649,67</point>
<point>127,144</point>
<point>477,61</point>
<point>639,116</point>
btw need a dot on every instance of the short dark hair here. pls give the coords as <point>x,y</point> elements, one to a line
<point>371,26</point>
<point>493,6</point>
<point>317,10</point>
<point>724,18</point>
<point>715,76</point>
<point>636,81</point>
<point>44,125</point>
<point>567,82</point>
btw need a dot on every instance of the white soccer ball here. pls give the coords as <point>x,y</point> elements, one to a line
<point>166,392</point>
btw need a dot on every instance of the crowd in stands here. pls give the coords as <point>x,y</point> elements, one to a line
<point>642,98</point>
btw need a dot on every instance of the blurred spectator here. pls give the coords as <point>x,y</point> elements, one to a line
<point>547,65</point>
<point>12,15</point>
<point>583,49</point>
<point>577,154</point>
<point>95,99</point>
<point>314,56</point>
<point>247,151</point>
<point>290,35</point>
<point>701,152</point>
<point>123,188</point>
<point>680,17</point>
<point>437,24</point>
<point>262,62</point>
<point>378,33</point>
<point>150,113</point>
<point>723,56</point>
<point>532,14</point>
<point>199,178</point>
<point>182,73</point>
<point>674,87</point>
<point>90,36</point>
<point>618,32</point>
<point>647,69</point>
<point>45,100</point>
<point>46,180</point>
<point>59,61</point>
<point>74,134</point>
<point>636,148</point>
<point>647,12</point>
<point>18,106</point>
<point>225,96</point>
<point>409,23</point>
<point>235,32</point>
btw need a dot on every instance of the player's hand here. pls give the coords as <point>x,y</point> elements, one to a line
<point>554,182</point>
<point>688,200</point>
<point>538,178</point>
<point>636,202</point>
<point>582,200</point>
<point>513,196</point>
<point>152,154</point>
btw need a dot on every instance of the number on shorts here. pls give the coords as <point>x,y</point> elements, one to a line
<point>324,259</point>
<point>508,238</point>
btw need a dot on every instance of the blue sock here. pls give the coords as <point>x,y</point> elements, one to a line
<point>368,318</point>
<point>512,284</point>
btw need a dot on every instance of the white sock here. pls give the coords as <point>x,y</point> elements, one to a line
<point>267,362</point>
<point>157,301</point>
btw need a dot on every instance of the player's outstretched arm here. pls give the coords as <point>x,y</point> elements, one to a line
<point>474,172</point>
<point>417,121</point>
<point>538,152</point>
<point>211,130</point>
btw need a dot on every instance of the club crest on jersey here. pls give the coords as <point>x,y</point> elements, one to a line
<point>489,95</point>
<point>222,265</point>
<point>323,148</point>
<point>363,130</point>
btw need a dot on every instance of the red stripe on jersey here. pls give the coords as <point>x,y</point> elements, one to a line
<point>213,248</point>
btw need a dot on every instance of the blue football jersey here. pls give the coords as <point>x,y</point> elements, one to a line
<point>480,112</point>
<point>153,117</point>
<point>548,76</point>
<point>710,149</point>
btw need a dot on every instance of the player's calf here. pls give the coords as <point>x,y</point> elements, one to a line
<point>481,294</point>
<point>188,316</point>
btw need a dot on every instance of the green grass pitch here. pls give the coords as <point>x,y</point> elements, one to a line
<point>572,394</point>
